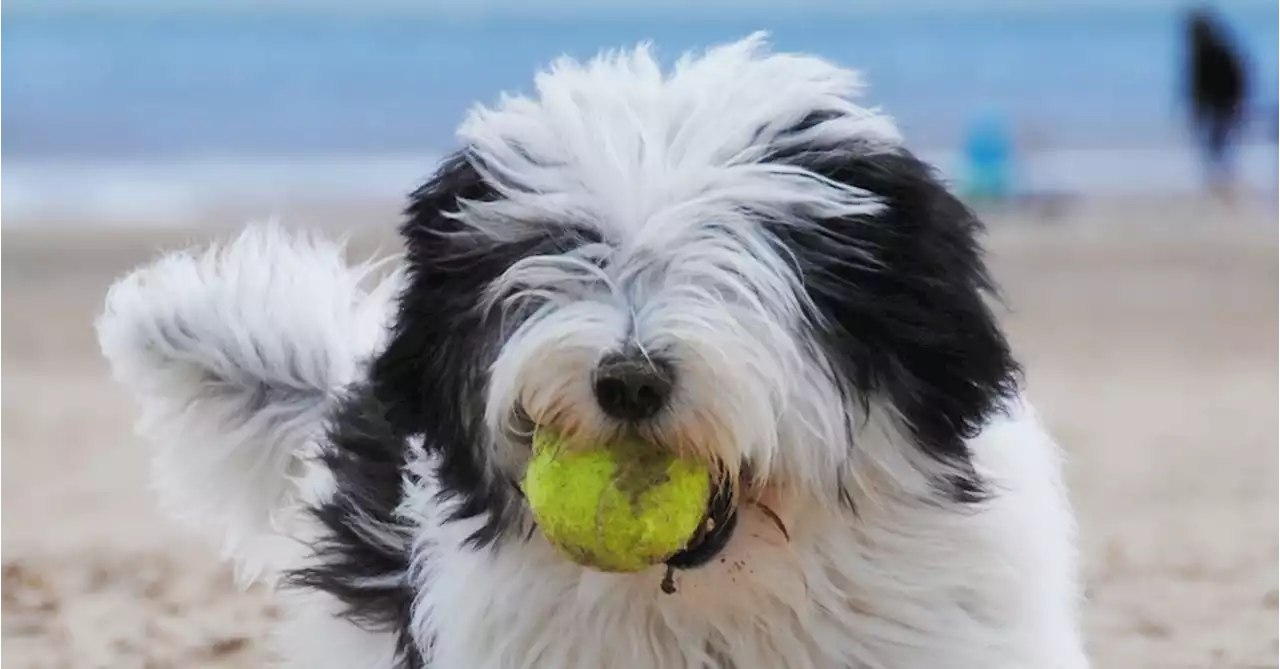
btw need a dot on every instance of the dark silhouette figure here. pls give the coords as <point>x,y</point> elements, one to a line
<point>1217,87</point>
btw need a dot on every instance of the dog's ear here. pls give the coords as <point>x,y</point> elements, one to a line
<point>437,307</point>
<point>430,379</point>
<point>901,296</point>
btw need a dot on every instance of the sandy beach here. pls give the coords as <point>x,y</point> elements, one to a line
<point>1148,331</point>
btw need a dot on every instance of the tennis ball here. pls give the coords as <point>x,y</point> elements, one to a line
<point>618,507</point>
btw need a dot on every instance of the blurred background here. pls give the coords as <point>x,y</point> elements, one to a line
<point>1123,154</point>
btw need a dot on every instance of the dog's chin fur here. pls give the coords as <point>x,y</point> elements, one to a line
<point>818,296</point>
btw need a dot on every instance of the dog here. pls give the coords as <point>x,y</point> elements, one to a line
<point>730,259</point>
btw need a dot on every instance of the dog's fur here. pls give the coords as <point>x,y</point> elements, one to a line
<point>818,296</point>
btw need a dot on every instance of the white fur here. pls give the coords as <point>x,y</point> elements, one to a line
<point>669,170</point>
<point>897,586</point>
<point>236,354</point>
<point>313,636</point>
<point>312,633</point>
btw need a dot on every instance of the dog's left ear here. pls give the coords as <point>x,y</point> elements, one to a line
<point>901,295</point>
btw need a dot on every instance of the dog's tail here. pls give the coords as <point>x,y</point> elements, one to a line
<point>237,354</point>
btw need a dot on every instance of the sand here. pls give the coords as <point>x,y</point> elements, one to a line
<point>1148,330</point>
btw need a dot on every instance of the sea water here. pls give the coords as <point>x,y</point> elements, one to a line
<point>175,110</point>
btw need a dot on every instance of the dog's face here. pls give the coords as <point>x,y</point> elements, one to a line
<point>733,261</point>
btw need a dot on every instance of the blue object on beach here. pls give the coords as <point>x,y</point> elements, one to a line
<point>988,155</point>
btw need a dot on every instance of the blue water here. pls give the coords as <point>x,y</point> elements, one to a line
<point>92,88</point>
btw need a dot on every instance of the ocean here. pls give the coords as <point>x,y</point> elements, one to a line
<point>163,110</point>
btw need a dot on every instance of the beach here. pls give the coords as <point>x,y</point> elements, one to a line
<point>1147,328</point>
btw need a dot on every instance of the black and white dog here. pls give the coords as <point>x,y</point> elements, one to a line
<point>731,259</point>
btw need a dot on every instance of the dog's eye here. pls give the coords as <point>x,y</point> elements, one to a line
<point>597,253</point>
<point>584,243</point>
<point>578,237</point>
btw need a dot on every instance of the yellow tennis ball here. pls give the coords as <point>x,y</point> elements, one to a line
<point>617,507</point>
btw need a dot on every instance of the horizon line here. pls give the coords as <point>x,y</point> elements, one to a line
<point>585,9</point>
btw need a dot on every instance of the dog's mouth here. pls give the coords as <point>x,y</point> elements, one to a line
<point>711,538</point>
<point>714,534</point>
<point>718,525</point>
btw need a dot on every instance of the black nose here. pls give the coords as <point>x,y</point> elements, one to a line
<point>632,386</point>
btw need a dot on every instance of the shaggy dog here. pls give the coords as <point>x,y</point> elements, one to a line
<point>730,259</point>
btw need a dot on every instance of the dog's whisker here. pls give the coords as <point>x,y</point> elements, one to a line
<point>771,515</point>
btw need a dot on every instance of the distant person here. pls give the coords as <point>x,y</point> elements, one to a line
<point>1217,84</point>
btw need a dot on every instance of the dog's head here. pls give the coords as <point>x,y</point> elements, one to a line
<point>732,260</point>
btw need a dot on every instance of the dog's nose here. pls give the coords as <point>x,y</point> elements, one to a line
<point>632,387</point>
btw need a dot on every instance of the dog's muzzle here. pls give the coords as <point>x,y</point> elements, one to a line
<point>633,386</point>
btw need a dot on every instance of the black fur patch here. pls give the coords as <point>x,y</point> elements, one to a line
<point>428,382</point>
<point>432,375</point>
<point>363,559</point>
<point>900,296</point>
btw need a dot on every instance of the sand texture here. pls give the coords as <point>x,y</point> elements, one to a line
<point>1148,331</point>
